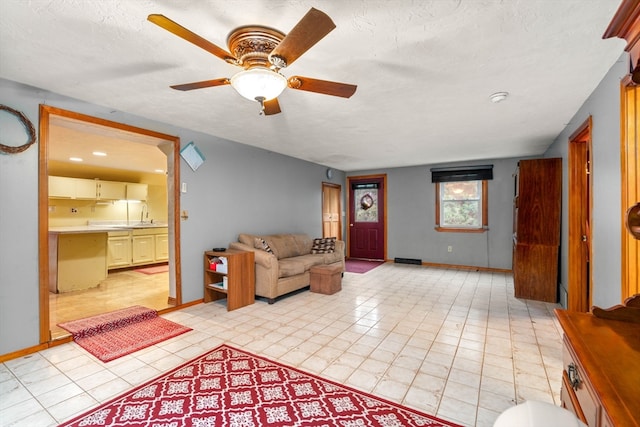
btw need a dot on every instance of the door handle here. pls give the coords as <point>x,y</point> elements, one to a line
<point>350,225</point>
<point>584,237</point>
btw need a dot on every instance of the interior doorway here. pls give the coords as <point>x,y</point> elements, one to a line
<point>367,217</point>
<point>128,138</point>
<point>580,202</point>
<point>331,210</point>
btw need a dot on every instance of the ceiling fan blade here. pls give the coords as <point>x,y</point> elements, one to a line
<point>202,84</point>
<point>308,31</point>
<point>271,107</point>
<point>177,29</point>
<point>325,87</point>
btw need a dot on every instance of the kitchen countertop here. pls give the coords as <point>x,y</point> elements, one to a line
<point>74,229</point>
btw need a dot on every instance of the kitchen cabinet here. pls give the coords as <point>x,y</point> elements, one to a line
<point>536,229</point>
<point>162,247</point>
<point>119,249</point>
<point>136,191</point>
<point>138,246</point>
<point>63,187</point>
<point>110,190</point>
<point>142,249</point>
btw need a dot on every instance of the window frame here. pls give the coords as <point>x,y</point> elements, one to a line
<point>485,212</point>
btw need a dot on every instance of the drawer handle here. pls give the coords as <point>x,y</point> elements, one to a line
<point>574,378</point>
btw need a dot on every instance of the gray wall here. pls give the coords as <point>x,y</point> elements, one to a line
<point>411,218</point>
<point>238,189</point>
<point>604,107</point>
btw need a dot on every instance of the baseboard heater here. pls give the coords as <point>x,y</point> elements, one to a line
<point>407,261</point>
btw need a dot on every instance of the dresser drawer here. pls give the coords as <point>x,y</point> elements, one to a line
<point>583,390</point>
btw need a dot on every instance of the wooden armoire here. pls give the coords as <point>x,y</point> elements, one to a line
<point>536,228</point>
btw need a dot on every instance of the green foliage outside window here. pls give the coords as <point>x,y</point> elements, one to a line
<point>461,204</point>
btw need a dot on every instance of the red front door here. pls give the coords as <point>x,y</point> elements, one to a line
<point>366,217</point>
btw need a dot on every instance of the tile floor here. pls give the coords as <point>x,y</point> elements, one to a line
<point>452,343</point>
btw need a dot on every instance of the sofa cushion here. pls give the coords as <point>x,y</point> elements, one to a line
<point>289,245</point>
<point>324,245</point>
<point>290,267</point>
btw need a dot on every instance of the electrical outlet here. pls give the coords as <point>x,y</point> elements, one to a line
<point>74,210</point>
<point>449,248</point>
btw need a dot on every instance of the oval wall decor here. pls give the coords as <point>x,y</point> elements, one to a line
<point>28,126</point>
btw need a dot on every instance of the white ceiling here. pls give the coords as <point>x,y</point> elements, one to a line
<point>424,70</point>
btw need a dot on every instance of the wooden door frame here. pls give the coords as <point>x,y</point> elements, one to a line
<point>629,187</point>
<point>172,150</point>
<point>339,187</point>
<point>580,183</point>
<point>382,177</point>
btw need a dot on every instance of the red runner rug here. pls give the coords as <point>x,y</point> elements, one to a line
<point>153,270</point>
<point>360,265</point>
<point>231,387</point>
<point>118,333</point>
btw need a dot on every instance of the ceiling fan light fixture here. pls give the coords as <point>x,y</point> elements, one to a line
<point>259,83</point>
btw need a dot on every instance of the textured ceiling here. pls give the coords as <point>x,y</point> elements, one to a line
<point>424,70</point>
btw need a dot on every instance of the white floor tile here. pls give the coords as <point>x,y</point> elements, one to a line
<point>452,343</point>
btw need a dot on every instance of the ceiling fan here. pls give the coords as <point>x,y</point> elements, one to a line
<point>263,52</point>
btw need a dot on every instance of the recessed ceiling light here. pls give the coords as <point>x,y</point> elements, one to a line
<point>99,153</point>
<point>498,97</point>
<point>159,170</point>
<point>75,159</point>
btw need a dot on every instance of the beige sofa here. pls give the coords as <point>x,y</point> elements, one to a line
<point>283,260</point>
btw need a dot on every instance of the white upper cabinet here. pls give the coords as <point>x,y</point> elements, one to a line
<point>63,187</point>
<point>137,191</point>
<point>111,190</point>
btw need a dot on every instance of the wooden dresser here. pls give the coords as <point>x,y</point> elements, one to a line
<point>601,376</point>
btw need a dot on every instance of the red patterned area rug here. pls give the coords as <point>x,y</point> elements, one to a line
<point>231,387</point>
<point>360,265</point>
<point>121,332</point>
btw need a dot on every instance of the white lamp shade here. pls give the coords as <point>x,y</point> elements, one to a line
<point>259,82</point>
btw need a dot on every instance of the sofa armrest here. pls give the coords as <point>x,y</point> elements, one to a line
<point>340,247</point>
<point>262,258</point>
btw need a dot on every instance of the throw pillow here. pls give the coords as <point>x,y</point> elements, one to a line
<point>261,244</point>
<point>325,245</point>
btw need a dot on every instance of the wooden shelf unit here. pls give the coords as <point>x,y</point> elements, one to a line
<point>240,277</point>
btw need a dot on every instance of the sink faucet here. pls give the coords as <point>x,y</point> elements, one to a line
<point>142,209</point>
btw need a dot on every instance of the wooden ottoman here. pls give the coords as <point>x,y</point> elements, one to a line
<point>326,279</point>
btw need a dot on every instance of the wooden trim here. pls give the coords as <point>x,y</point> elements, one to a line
<point>43,224</point>
<point>624,23</point>
<point>173,159</point>
<point>466,267</point>
<point>578,290</point>
<point>629,187</point>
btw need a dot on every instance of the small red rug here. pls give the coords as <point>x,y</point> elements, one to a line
<point>231,387</point>
<point>154,270</point>
<point>360,265</point>
<point>118,333</point>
